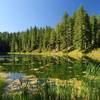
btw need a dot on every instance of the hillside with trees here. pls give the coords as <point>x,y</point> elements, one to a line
<point>79,31</point>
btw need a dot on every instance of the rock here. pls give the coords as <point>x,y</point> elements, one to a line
<point>17,82</point>
<point>36,69</point>
<point>17,85</point>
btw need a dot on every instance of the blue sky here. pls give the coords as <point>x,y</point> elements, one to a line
<point>17,15</point>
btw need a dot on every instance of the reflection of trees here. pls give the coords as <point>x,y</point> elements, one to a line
<point>65,68</point>
<point>58,67</point>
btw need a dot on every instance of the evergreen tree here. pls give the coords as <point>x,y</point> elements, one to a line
<point>93,22</point>
<point>81,30</point>
<point>53,40</point>
<point>46,39</point>
<point>59,38</point>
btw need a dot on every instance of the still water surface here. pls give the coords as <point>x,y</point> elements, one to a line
<point>63,68</point>
<point>44,67</point>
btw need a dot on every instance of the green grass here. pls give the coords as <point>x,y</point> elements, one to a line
<point>76,54</point>
<point>74,89</point>
<point>94,54</point>
<point>2,80</point>
<point>2,84</point>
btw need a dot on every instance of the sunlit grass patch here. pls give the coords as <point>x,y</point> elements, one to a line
<point>94,54</point>
<point>76,54</point>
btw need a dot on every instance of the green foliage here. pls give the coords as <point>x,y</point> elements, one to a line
<point>93,22</point>
<point>82,35</point>
<point>79,31</point>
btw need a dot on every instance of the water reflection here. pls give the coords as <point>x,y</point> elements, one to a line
<point>84,73</point>
<point>53,67</point>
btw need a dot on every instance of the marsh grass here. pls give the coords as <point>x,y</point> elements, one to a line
<point>73,90</point>
<point>84,85</point>
<point>2,84</point>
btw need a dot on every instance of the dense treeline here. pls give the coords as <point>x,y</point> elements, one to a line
<point>79,31</point>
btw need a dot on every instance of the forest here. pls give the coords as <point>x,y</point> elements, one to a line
<point>50,63</point>
<point>79,31</point>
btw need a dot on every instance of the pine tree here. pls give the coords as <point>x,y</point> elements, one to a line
<point>80,31</point>
<point>59,38</point>
<point>87,35</point>
<point>63,29</point>
<point>93,22</point>
<point>53,40</point>
<point>81,35</point>
<point>69,35</point>
<point>46,39</point>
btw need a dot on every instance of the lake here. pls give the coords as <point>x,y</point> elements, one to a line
<point>83,74</point>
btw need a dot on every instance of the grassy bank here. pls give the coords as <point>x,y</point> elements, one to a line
<point>76,54</point>
<point>44,53</point>
<point>94,54</point>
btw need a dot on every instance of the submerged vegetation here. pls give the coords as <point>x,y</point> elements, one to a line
<point>51,78</point>
<point>71,89</point>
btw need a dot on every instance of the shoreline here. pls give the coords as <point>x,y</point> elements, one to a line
<point>76,54</point>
